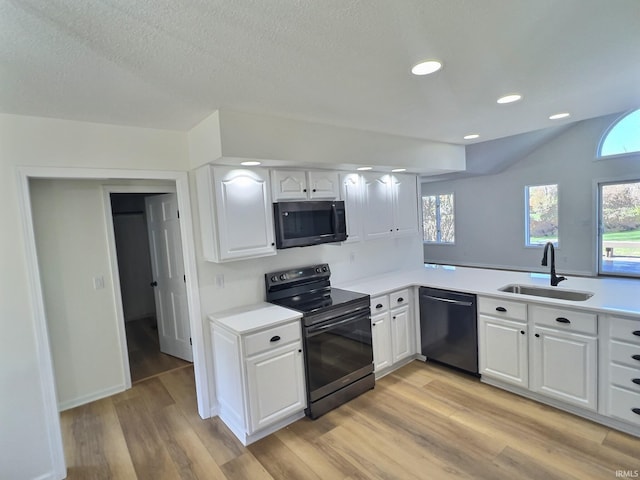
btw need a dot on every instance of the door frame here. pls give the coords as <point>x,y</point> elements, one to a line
<point>107,190</point>
<point>44,359</point>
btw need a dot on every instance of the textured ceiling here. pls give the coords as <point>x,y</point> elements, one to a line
<point>170,63</point>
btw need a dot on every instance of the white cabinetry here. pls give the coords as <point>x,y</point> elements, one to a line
<point>304,185</point>
<point>236,217</point>
<point>351,194</point>
<point>393,325</point>
<point>260,383</point>
<point>620,369</point>
<point>502,341</point>
<point>564,355</point>
<point>390,205</point>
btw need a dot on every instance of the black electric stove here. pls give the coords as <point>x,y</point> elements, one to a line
<point>336,326</point>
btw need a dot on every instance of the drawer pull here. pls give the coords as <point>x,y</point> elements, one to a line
<point>400,299</point>
<point>636,357</point>
<point>501,309</point>
<point>636,411</point>
<point>275,338</point>
<point>378,306</point>
<point>636,381</point>
<point>637,333</point>
<point>563,320</point>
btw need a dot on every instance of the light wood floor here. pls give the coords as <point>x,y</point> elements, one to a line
<point>145,357</point>
<point>421,422</point>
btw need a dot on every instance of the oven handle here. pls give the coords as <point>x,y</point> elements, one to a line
<point>312,331</point>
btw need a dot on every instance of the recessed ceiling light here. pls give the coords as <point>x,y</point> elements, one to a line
<point>558,116</point>
<point>512,97</point>
<point>471,137</point>
<point>399,170</point>
<point>364,168</point>
<point>251,163</point>
<point>426,67</point>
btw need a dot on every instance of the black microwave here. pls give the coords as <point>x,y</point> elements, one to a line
<point>300,224</point>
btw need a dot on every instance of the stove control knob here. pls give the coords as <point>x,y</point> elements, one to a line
<point>318,269</point>
<point>274,279</point>
<point>283,277</point>
<point>325,268</point>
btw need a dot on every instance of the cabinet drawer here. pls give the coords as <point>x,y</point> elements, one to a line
<point>399,298</point>
<point>379,304</point>
<point>272,338</point>
<point>502,308</point>
<point>625,405</point>
<point>624,329</point>
<point>624,377</point>
<point>565,319</point>
<point>625,353</point>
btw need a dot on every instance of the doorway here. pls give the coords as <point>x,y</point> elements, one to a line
<point>138,288</point>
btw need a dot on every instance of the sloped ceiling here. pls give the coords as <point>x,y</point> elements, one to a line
<point>170,63</point>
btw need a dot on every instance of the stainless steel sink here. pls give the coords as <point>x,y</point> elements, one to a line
<point>549,292</point>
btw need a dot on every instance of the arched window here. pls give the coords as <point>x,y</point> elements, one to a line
<point>623,137</point>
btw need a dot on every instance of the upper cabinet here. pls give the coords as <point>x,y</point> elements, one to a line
<point>390,204</point>
<point>236,216</point>
<point>351,194</point>
<point>304,185</point>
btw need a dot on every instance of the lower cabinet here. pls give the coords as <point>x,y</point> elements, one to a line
<point>260,384</point>
<point>503,350</point>
<point>392,329</point>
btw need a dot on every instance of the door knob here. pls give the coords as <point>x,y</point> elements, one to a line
<point>154,284</point>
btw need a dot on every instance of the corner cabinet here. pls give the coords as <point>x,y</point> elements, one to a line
<point>236,216</point>
<point>260,385</point>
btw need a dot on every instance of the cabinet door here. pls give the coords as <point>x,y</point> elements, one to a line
<point>378,206</point>
<point>502,350</point>
<point>405,205</point>
<point>323,185</point>
<point>275,383</point>
<point>351,194</point>
<point>289,185</point>
<point>244,213</point>
<point>381,338</point>
<point>565,366</point>
<point>400,333</point>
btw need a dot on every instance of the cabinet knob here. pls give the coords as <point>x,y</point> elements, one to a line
<point>299,350</point>
<point>275,338</point>
<point>394,318</point>
<point>379,305</point>
<point>273,243</point>
<point>563,320</point>
<point>305,190</point>
<point>537,335</point>
<point>501,309</point>
<point>154,284</point>
<point>636,357</point>
<point>313,190</point>
<point>522,332</point>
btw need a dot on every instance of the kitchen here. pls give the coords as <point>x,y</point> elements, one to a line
<point>68,143</point>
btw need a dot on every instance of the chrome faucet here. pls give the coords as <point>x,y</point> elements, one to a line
<point>555,280</point>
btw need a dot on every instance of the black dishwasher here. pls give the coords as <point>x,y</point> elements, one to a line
<point>448,328</point>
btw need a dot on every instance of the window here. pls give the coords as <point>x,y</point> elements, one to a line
<point>619,232</point>
<point>622,137</point>
<point>541,217</point>
<point>438,219</point>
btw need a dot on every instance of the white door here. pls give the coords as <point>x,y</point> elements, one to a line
<point>405,205</point>
<point>378,206</point>
<point>351,184</point>
<point>289,185</point>
<point>323,185</point>
<point>502,350</point>
<point>381,340</point>
<point>168,275</point>
<point>400,334</point>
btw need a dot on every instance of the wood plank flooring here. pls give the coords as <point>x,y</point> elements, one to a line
<point>145,357</point>
<point>421,422</point>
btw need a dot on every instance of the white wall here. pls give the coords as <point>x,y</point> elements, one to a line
<point>489,210</point>
<point>28,141</point>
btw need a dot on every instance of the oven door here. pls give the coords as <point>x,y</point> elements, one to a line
<point>338,352</point>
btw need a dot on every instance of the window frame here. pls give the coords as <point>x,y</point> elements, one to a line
<point>599,224</point>
<point>527,226</point>
<point>439,240</point>
<point>605,135</point>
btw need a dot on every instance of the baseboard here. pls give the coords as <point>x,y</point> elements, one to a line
<point>91,397</point>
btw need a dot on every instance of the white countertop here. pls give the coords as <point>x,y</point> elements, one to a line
<point>255,317</point>
<point>610,295</point>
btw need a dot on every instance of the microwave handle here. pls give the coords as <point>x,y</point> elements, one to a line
<point>334,217</point>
